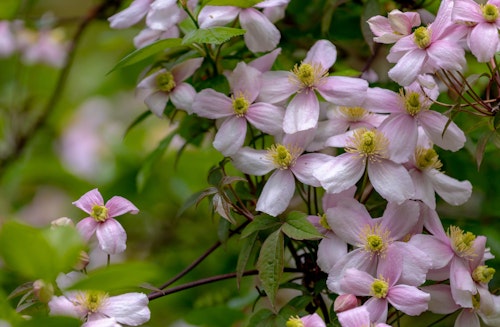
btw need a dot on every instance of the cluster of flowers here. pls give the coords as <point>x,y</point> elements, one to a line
<point>98,308</point>
<point>387,137</point>
<point>46,46</point>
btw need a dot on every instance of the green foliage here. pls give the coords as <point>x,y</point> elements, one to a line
<point>212,35</point>
<point>218,316</point>
<point>51,322</point>
<point>297,227</point>
<point>235,3</point>
<point>271,263</point>
<point>39,254</point>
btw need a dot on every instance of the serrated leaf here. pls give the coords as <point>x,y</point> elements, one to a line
<point>261,222</point>
<point>234,3</point>
<point>118,277</point>
<point>212,35</point>
<point>297,227</point>
<point>147,167</point>
<point>247,248</point>
<point>271,263</point>
<point>146,52</point>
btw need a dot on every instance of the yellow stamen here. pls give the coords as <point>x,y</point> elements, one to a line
<point>240,105</point>
<point>462,242</point>
<point>165,81</point>
<point>379,288</point>
<point>422,37</point>
<point>354,113</point>
<point>308,76</point>
<point>375,239</point>
<point>412,103</point>
<point>283,156</point>
<point>427,159</point>
<point>483,274</point>
<point>294,322</point>
<point>323,222</point>
<point>99,213</point>
<point>490,12</point>
<point>368,143</point>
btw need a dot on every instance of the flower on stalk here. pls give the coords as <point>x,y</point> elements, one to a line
<point>304,80</point>
<point>397,25</point>
<point>288,163</point>
<point>483,22</point>
<point>237,110</point>
<point>110,233</point>
<point>98,309</point>
<point>164,85</point>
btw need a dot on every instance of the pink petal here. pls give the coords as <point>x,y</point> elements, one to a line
<point>434,124</point>
<point>261,35</point>
<point>423,188</point>
<point>467,318</point>
<point>467,11</point>
<point>118,206</point>
<point>231,135</point>
<point>449,189</point>
<point>266,117</point>
<point>245,80</point>
<point>182,97</point>
<point>265,62</point>
<point>402,132</point>
<point>87,227</point>
<point>408,67</point>
<point>383,101</point>
<point>340,173</point>
<point>212,104</point>
<point>461,282</point>
<point>323,52</point>
<point>483,41</point>
<point>90,199</point>
<point>356,317</point>
<point>156,102</point>
<point>358,259</point>
<point>307,164</point>
<point>408,299</point>
<point>402,22</point>
<point>277,86</point>
<point>131,15</point>
<point>441,301</point>
<point>391,220</point>
<point>348,220</point>
<point>377,309</point>
<point>357,282</point>
<point>313,320</point>
<point>130,308</point>
<point>217,15</point>
<point>330,250</point>
<point>253,162</point>
<point>344,91</point>
<point>416,264</point>
<point>392,181</point>
<point>105,322</point>
<point>302,113</point>
<point>185,69</point>
<point>446,55</point>
<point>111,236</point>
<point>62,306</point>
<point>440,253</point>
<point>164,14</point>
<point>277,193</point>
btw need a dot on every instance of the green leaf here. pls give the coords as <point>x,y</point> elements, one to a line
<point>262,318</point>
<point>271,263</point>
<point>297,227</point>
<point>138,120</point>
<point>214,316</point>
<point>223,230</point>
<point>8,9</point>
<point>118,277</point>
<point>261,222</point>
<point>145,171</point>
<point>247,248</point>
<point>146,52</point>
<point>234,3</point>
<point>212,35</point>
<point>39,254</point>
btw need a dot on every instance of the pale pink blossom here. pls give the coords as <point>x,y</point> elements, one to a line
<point>483,22</point>
<point>428,49</point>
<point>397,25</point>
<point>47,47</point>
<point>110,233</point>
<point>147,36</point>
<point>304,80</point>
<point>8,43</point>
<point>345,302</point>
<point>234,112</point>
<point>164,85</point>
<point>130,15</point>
<point>357,317</point>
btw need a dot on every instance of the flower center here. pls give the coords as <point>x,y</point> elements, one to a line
<point>483,274</point>
<point>412,103</point>
<point>368,143</point>
<point>375,239</point>
<point>294,322</point>
<point>99,213</point>
<point>379,288</point>
<point>308,76</point>
<point>354,113</point>
<point>422,37</point>
<point>476,301</point>
<point>323,222</point>
<point>283,157</point>
<point>165,81</point>
<point>427,159</point>
<point>462,242</point>
<point>490,12</point>
<point>240,106</point>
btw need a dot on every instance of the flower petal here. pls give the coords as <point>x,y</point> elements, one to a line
<point>277,193</point>
<point>261,35</point>
<point>323,52</point>
<point>408,67</point>
<point>441,301</point>
<point>156,102</point>
<point>111,236</point>
<point>483,41</point>
<point>302,113</point>
<point>348,220</point>
<point>408,299</point>
<point>392,181</point>
<point>307,164</point>
<point>131,15</point>
<point>87,227</point>
<point>453,191</point>
<point>266,117</point>
<point>185,69</point>
<point>434,123</point>
<point>118,206</point>
<point>182,97</point>
<point>344,91</point>
<point>245,80</point>
<point>402,132</point>
<point>340,173</point>
<point>130,308</point>
<point>277,86</point>
<point>253,162</point>
<point>212,104</point>
<point>87,201</point>
<point>217,15</point>
<point>231,135</point>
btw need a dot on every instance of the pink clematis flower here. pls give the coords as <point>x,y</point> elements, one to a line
<point>386,288</point>
<point>98,309</point>
<point>110,234</point>
<point>311,75</point>
<point>483,22</point>
<point>358,317</point>
<point>312,320</point>
<point>164,85</point>
<point>261,35</point>
<point>397,25</point>
<point>428,49</point>
<point>8,42</point>
<point>130,15</point>
<point>288,162</point>
<point>237,110</point>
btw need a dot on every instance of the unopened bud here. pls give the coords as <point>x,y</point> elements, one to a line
<point>345,302</point>
<point>63,221</point>
<point>83,261</point>
<point>43,291</point>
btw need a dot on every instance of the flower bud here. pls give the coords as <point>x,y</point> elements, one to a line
<point>63,221</point>
<point>83,261</point>
<point>43,291</point>
<point>345,302</point>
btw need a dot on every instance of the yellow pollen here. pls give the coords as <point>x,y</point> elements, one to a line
<point>99,213</point>
<point>240,105</point>
<point>476,301</point>
<point>91,300</point>
<point>483,274</point>
<point>379,288</point>
<point>490,12</point>
<point>412,103</point>
<point>375,239</point>
<point>354,113</point>
<point>282,156</point>
<point>422,37</point>
<point>165,81</point>
<point>308,76</point>
<point>368,143</point>
<point>323,222</point>
<point>462,242</point>
<point>427,159</point>
<point>294,322</point>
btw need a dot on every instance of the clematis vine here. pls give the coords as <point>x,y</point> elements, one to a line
<point>110,233</point>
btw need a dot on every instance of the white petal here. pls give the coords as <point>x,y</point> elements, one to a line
<point>261,35</point>
<point>392,181</point>
<point>231,135</point>
<point>253,162</point>
<point>130,308</point>
<point>449,189</point>
<point>111,236</point>
<point>277,193</point>
<point>340,173</point>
